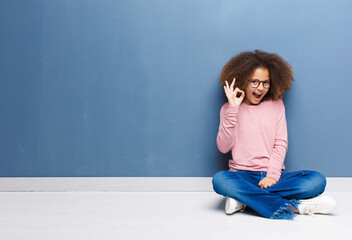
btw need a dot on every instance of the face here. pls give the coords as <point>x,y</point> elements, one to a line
<point>254,95</point>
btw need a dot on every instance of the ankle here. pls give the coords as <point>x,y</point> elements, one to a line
<point>294,210</point>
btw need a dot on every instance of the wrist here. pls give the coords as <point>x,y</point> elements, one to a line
<point>233,104</point>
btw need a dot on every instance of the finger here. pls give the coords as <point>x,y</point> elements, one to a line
<point>239,93</point>
<point>233,83</point>
<point>242,96</point>
<point>239,90</point>
<point>227,85</point>
<point>270,184</point>
<point>225,91</point>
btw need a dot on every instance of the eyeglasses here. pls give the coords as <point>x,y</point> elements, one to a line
<point>255,83</point>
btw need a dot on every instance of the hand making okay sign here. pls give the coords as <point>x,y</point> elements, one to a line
<point>231,94</point>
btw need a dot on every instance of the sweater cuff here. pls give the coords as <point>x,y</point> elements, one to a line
<point>274,175</point>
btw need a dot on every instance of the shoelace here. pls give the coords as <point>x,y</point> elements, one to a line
<point>312,203</point>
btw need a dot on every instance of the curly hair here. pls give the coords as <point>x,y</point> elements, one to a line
<point>243,65</point>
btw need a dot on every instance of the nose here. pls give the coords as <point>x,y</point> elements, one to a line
<point>261,86</point>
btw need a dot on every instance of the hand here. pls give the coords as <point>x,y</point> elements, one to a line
<point>231,94</point>
<point>267,182</point>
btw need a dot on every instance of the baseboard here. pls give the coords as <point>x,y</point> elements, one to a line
<point>132,184</point>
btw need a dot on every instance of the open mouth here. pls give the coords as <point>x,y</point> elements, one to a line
<point>257,96</point>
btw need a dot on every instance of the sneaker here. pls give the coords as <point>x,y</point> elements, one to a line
<point>232,206</point>
<point>321,204</point>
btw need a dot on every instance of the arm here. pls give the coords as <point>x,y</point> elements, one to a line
<point>280,146</point>
<point>228,120</point>
<point>228,117</point>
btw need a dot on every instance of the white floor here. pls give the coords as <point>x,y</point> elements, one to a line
<point>155,215</point>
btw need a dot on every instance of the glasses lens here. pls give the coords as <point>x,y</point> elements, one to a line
<point>254,83</point>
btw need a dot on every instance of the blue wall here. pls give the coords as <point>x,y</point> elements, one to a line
<point>130,88</point>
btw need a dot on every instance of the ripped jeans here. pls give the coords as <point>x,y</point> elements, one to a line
<point>273,202</point>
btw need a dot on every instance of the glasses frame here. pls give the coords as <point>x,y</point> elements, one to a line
<point>260,82</point>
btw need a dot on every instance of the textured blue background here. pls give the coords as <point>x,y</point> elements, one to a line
<point>130,88</point>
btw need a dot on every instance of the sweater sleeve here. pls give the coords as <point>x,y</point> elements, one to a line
<point>280,146</point>
<point>228,120</point>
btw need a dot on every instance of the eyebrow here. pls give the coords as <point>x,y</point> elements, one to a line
<point>260,80</point>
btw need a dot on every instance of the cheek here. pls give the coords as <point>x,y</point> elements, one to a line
<point>266,92</point>
<point>248,93</point>
<point>248,90</point>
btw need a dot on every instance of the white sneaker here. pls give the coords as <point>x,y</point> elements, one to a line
<point>321,204</point>
<point>232,206</point>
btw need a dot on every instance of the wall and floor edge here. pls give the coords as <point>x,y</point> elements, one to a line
<point>131,184</point>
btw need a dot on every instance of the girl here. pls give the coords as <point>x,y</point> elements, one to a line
<point>253,127</point>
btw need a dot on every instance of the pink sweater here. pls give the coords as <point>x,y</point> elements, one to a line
<point>256,135</point>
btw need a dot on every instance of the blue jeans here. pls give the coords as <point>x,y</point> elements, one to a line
<point>274,202</point>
